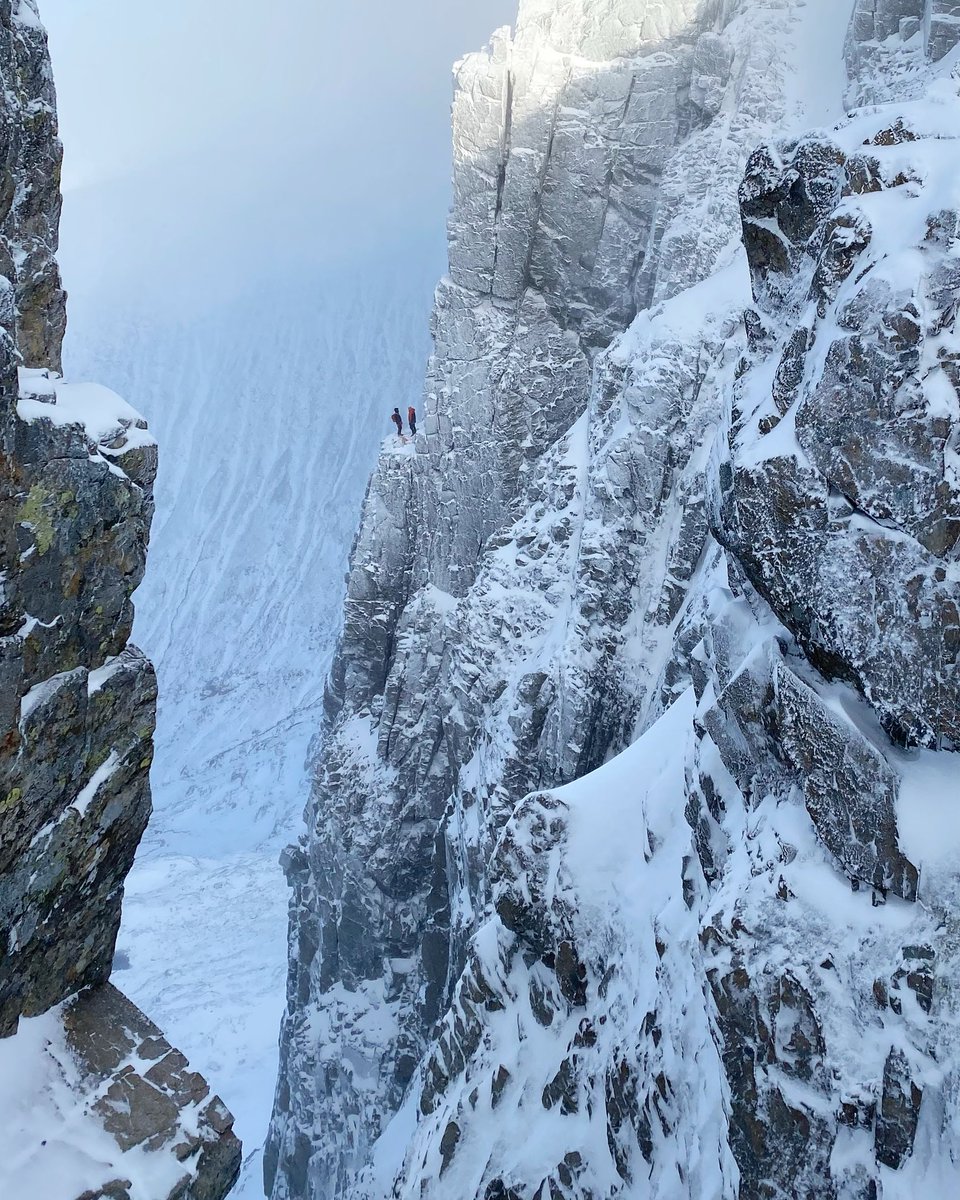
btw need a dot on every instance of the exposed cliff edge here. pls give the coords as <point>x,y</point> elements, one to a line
<point>681,526</point>
<point>94,1101</point>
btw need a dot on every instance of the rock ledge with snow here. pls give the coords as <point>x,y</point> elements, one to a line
<point>77,716</point>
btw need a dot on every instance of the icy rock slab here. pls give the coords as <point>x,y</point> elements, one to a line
<point>514,582</point>
<point>944,28</point>
<point>891,44</point>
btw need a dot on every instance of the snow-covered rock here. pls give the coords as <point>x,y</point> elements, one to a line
<point>77,714</point>
<point>681,528</point>
<point>96,1102</point>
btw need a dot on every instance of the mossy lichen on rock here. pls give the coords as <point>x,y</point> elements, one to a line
<point>37,515</point>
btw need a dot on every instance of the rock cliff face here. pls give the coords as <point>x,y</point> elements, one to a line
<point>680,526</point>
<point>77,701</point>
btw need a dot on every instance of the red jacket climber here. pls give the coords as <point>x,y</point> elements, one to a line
<point>412,420</point>
<point>398,421</point>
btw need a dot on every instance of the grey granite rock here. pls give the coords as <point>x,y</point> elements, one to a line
<point>625,487</point>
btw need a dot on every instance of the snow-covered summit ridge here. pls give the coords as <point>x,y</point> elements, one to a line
<point>684,558</point>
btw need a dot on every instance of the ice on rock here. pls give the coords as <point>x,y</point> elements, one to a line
<point>650,643</point>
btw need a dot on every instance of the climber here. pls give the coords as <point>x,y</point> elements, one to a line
<point>398,421</point>
<point>412,420</point>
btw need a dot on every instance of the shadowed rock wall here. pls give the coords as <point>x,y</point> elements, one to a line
<point>77,701</point>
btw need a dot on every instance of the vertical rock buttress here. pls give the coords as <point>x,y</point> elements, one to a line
<point>77,700</point>
<point>490,635</point>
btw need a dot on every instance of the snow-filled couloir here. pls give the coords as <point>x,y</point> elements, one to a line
<point>268,409</point>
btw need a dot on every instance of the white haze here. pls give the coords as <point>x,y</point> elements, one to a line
<point>294,132</point>
<point>254,206</point>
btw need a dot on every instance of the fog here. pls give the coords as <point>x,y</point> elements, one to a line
<point>224,137</point>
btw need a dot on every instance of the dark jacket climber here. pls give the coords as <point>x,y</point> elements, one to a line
<point>398,421</point>
<point>412,420</point>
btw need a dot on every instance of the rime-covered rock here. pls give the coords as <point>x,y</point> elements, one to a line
<point>857,452</point>
<point>650,644</point>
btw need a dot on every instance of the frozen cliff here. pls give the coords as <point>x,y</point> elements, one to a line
<point>94,1102</point>
<point>631,860</point>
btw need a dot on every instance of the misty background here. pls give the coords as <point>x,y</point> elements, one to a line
<point>301,134</point>
<point>254,209</point>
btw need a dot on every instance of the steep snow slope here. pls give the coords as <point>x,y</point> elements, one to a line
<point>674,537</point>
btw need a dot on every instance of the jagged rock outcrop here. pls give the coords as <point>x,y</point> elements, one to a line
<point>855,446</point>
<point>706,568</point>
<point>30,231</point>
<point>77,701</point>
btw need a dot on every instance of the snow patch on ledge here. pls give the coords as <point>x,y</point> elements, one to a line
<point>403,447</point>
<point>99,778</point>
<point>25,14</point>
<point>110,423</point>
<point>41,692</point>
<point>99,678</point>
<point>928,814</point>
<point>53,1146</point>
